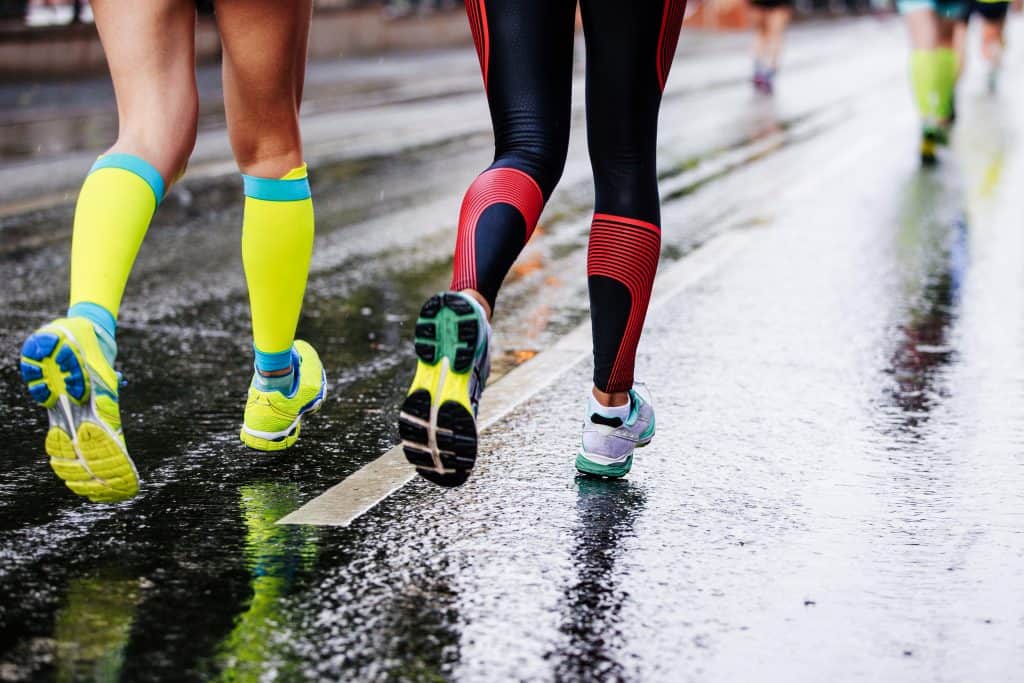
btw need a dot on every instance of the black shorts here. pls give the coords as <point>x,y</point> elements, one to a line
<point>992,11</point>
<point>771,4</point>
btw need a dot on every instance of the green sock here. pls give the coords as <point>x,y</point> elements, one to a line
<point>923,82</point>
<point>945,80</point>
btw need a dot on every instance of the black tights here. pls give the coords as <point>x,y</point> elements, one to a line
<point>526,51</point>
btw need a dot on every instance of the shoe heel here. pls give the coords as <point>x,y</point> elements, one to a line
<point>448,327</point>
<point>51,367</point>
<point>447,334</point>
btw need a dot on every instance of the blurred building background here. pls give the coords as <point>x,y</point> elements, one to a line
<point>56,38</point>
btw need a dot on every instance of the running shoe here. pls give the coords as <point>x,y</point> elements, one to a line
<point>437,422</point>
<point>66,372</point>
<point>932,136</point>
<point>764,81</point>
<point>608,444</point>
<point>272,419</point>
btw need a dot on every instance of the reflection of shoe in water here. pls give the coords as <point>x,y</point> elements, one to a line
<point>438,418</point>
<point>66,372</point>
<point>272,418</point>
<point>608,442</point>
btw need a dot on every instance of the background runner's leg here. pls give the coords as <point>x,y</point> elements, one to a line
<point>933,63</point>
<point>777,21</point>
<point>525,49</point>
<point>630,47</point>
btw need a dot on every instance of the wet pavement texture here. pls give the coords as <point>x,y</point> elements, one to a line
<point>832,494</point>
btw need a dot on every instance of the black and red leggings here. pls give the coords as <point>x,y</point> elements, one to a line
<point>526,54</point>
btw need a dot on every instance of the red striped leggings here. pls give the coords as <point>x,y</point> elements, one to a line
<point>526,55</point>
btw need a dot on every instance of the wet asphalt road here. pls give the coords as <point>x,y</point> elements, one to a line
<point>833,493</point>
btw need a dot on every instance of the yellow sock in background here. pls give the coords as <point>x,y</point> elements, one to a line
<point>946,68</point>
<point>277,245</point>
<point>923,83</point>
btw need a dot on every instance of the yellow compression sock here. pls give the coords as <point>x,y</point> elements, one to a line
<point>277,244</point>
<point>945,65</point>
<point>114,209</point>
<point>923,83</point>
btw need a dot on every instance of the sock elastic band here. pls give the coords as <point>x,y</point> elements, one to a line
<point>95,314</point>
<point>287,189</point>
<point>136,165</point>
<point>273,362</point>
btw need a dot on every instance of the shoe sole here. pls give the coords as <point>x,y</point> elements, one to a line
<point>585,465</point>
<point>84,452</point>
<point>436,422</point>
<point>290,437</point>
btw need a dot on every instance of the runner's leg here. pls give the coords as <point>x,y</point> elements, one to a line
<point>68,365</point>
<point>630,48</point>
<point>151,53</point>
<point>777,21</point>
<point>264,69</point>
<point>525,49</point>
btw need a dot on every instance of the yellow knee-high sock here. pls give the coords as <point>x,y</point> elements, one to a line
<point>114,209</point>
<point>923,83</point>
<point>277,244</point>
<point>945,67</point>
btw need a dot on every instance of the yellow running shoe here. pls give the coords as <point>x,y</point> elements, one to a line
<point>437,421</point>
<point>273,420</point>
<point>66,373</point>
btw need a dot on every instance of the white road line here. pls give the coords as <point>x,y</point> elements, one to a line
<point>345,502</point>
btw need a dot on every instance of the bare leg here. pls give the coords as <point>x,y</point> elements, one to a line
<point>151,53</point>
<point>945,33</point>
<point>758,18</point>
<point>929,31</point>
<point>264,68</point>
<point>264,71</point>
<point>922,29</point>
<point>992,40</point>
<point>776,21</point>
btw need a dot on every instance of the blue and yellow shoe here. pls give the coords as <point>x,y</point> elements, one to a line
<point>272,419</point>
<point>438,418</point>
<point>66,373</point>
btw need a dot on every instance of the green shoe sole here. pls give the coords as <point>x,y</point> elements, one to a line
<point>586,466</point>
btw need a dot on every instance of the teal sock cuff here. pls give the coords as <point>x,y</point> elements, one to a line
<point>277,190</point>
<point>136,165</point>
<point>97,315</point>
<point>273,362</point>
